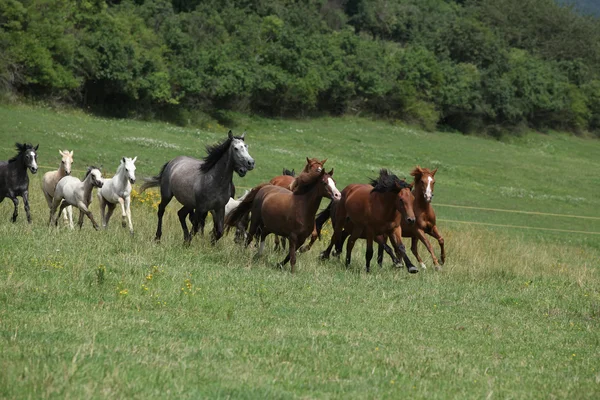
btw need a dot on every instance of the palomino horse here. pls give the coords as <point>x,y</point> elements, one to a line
<point>14,180</point>
<point>284,213</point>
<point>372,210</point>
<point>72,191</point>
<point>287,180</point>
<point>425,217</point>
<point>51,178</point>
<point>118,190</point>
<point>202,185</point>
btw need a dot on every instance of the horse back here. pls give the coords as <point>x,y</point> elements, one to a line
<point>371,209</point>
<point>283,181</point>
<point>276,208</point>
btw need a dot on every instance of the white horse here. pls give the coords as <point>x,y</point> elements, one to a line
<point>240,228</point>
<point>118,190</point>
<point>72,191</point>
<point>51,178</point>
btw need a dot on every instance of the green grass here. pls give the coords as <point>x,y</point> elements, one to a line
<point>514,314</point>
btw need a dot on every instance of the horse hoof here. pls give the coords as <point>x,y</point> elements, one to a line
<point>438,267</point>
<point>124,224</point>
<point>279,265</point>
<point>323,256</point>
<point>423,266</point>
<point>412,269</point>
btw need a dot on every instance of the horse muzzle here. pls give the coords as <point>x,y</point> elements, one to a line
<point>242,172</point>
<point>132,181</point>
<point>410,220</point>
<point>33,170</point>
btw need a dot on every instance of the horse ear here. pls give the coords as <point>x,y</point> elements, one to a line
<point>433,172</point>
<point>293,172</point>
<point>36,147</point>
<point>61,152</point>
<point>330,173</point>
<point>230,134</point>
<point>123,159</point>
<point>307,160</point>
<point>134,158</point>
<point>323,162</point>
<point>243,135</point>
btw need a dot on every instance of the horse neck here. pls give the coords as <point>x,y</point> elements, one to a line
<point>87,189</point>
<point>61,171</point>
<point>420,202</point>
<point>120,179</point>
<point>222,171</point>
<point>308,203</point>
<point>18,166</point>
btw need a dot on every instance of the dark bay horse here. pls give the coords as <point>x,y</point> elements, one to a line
<point>290,214</point>
<point>202,185</point>
<point>14,180</point>
<point>424,181</point>
<point>287,180</point>
<point>368,211</point>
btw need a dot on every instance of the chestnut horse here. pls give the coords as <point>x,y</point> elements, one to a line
<point>425,218</point>
<point>290,214</point>
<point>287,180</point>
<point>372,210</point>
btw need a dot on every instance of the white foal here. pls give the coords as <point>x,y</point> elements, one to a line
<point>118,190</point>
<point>51,178</point>
<point>72,191</point>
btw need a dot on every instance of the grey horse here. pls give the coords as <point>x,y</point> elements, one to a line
<point>14,180</point>
<point>201,185</point>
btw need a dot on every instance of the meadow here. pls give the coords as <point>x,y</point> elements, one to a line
<point>515,313</point>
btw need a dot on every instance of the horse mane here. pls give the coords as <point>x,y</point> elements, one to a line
<point>305,181</point>
<point>215,152</point>
<point>21,148</point>
<point>287,172</point>
<point>388,182</point>
<point>89,170</point>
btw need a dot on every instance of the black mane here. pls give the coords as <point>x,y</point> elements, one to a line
<point>388,182</point>
<point>21,148</point>
<point>215,152</point>
<point>287,172</point>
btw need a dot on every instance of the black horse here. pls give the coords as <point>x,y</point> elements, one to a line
<point>14,180</point>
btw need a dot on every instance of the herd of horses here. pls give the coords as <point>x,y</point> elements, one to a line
<point>386,209</point>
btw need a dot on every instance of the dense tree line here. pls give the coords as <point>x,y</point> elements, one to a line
<point>584,6</point>
<point>471,65</point>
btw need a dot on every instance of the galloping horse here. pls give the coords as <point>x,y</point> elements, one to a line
<point>118,190</point>
<point>51,178</point>
<point>284,213</point>
<point>72,191</point>
<point>14,180</point>
<point>372,210</point>
<point>287,180</point>
<point>425,217</point>
<point>202,185</point>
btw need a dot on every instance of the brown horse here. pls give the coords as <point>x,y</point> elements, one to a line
<point>282,212</point>
<point>368,211</point>
<point>287,180</point>
<point>425,217</point>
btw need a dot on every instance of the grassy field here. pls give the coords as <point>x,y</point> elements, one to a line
<point>514,314</point>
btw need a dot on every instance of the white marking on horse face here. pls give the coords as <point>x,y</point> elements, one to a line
<point>33,164</point>
<point>242,160</point>
<point>97,178</point>
<point>428,191</point>
<point>336,193</point>
<point>130,169</point>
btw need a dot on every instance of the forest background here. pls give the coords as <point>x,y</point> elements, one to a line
<point>486,66</point>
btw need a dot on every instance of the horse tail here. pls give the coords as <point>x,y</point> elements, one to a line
<point>154,181</point>
<point>243,208</point>
<point>322,217</point>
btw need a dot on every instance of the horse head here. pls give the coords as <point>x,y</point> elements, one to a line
<point>96,176</point>
<point>242,161</point>
<point>405,200</point>
<point>67,161</point>
<point>424,181</point>
<point>29,154</point>
<point>129,165</point>
<point>331,191</point>
<point>313,165</point>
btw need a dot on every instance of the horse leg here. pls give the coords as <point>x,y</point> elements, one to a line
<point>53,207</point>
<point>128,211</point>
<point>340,243</point>
<point>350,244</point>
<point>436,234</point>
<point>292,253</point>
<point>63,205</point>
<point>48,198</point>
<point>382,246</point>
<point>84,210</point>
<point>277,242</point>
<point>261,247</point>
<point>369,252</point>
<point>396,239</point>
<point>423,238</point>
<point>102,204</point>
<point>414,247</point>
<point>110,209</point>
<point>313,238</point>
<point>25,197</point>
<point>218,223</point>
<point>16,212</point>
<point>123,212</point>
<point>164,201</point>
<point>198,221</point>
<point>183,213</point>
